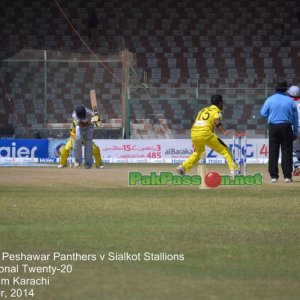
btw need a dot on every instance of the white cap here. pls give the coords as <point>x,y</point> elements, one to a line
<point>293,91</point>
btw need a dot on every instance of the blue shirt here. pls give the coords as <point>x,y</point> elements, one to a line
<point>281,109</point>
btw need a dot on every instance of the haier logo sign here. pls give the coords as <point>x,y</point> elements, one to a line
<point>24,148</point>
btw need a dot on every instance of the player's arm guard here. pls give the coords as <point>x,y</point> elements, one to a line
<point>96,119</point>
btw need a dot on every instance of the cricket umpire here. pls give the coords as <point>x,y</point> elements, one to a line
<point>282,115</point>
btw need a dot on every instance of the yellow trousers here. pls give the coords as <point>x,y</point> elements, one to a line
<point>201,139</point>
<point>65,152</point>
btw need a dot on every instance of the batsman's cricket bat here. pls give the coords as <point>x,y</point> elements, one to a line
<point>94,101</point>
<point>94,105</point>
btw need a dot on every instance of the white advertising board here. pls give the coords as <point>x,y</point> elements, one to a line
<point>172,151</point>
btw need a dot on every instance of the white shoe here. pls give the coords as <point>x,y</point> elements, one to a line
<point>233,173</point>
<point>61,166</point>
<point>288,180</point>
<point>180,170</point>
<point>100,167</point>
<point>274,180</point>
<point>76,165</point>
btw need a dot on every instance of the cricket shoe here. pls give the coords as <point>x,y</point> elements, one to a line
<point>61,166</point>
<point>180,170</point>
<point>233,173</point>
<point>288,180</point>
<point>274,180</point>
<point>100,167</point>
<point>76,165</point>
<point>297,171</point>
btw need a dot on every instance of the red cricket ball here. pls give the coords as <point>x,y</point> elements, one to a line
<point>212,179</point>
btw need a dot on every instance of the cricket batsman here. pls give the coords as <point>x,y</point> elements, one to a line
<point>84,119</point>
<point>66,149</point>
<point>202,134</point>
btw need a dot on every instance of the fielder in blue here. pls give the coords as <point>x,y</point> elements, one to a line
<point>282,115</point>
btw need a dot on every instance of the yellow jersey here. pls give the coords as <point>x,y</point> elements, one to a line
<point>73,129</point>
<point>206,118</point>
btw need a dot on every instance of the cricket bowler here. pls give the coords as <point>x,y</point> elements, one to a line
<point>202,134</point>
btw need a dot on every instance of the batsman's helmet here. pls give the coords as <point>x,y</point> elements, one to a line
<point>80,112</point>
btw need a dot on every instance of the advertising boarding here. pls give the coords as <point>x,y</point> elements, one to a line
<point>128,151</point>
<point>25,150</point>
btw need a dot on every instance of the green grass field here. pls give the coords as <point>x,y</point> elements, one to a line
<point>238,242</point>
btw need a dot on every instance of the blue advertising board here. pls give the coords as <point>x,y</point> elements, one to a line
<point>24,148</point>
<point>55,146</point>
